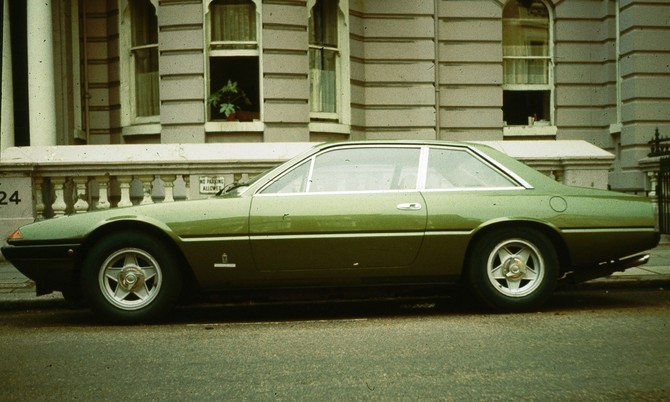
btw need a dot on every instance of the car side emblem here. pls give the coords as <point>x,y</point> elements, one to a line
<point>224,262</point>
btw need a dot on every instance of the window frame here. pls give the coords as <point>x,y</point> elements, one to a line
<point>132,123</point>
<point>219,125</point>
<point>533,129</point>
<point>340,119</point>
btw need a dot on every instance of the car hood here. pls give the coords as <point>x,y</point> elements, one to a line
<point>182,218</point>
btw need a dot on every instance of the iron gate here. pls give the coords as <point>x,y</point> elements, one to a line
<point>663,194</point>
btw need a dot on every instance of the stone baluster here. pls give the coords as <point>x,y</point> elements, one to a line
<point>59,206</point>
<point>653,183</point>
<point>168,185</point>
<point>124,185</point>
<point>557,175</point>
<point>187,184</point>
<point>147,186</point>
<point>39,200</point>
<point>81,205</point>
<point>103,189</point>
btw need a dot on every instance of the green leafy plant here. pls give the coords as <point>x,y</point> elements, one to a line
<point>229,99</point>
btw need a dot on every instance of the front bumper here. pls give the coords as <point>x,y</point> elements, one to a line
<point>52,267</point>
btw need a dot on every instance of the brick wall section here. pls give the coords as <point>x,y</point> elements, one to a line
<point>585,71</point>
<point>645,88</point>
<point>182,71</point>
<point>392,50</point>
<point>471,73</point>
<point>103,65</point>
<point>284,65</point>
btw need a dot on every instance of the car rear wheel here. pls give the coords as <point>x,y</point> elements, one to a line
<point>131,277</point>
<point>513,269</point>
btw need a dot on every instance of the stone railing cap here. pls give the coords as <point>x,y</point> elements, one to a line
<point>152,153</point>
<point>549,149</point>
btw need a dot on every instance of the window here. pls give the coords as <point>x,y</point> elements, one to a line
<point>527,63</point>
<point>140,34</point>
<point>353,170</point>
<point>459,169</point>
<point>294,181</point>
<point>234,73</point>
<point>327,63</point>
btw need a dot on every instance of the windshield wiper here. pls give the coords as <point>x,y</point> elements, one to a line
<point>231,187</point>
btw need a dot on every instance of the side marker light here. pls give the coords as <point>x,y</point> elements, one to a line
<point>17,235</point>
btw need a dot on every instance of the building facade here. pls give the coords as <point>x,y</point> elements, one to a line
<point>98,72</point>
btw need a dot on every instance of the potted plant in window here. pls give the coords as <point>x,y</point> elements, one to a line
<point>230,100</point>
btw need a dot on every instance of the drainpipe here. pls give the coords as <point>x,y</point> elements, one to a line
<point>436,33</point>
<point>84,53</point>
<point>7,102</point>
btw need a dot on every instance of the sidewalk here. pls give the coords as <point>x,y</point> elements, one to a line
<point>14,286</point>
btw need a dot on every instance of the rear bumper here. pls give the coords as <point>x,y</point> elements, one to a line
<point>605,268</point>
<point>52,267</point>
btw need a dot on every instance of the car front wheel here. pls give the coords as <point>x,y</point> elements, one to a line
<point>513,269</point>
<point>131,277</point>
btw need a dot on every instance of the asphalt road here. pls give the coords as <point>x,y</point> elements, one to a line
<point>593,344</point>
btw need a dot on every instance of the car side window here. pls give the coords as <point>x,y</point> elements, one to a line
<point>295,181</point>
<point>460,169</point>
<point>352,170</point>
<point>365,169</point>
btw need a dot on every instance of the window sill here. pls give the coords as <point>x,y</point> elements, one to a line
<point>234,126</point>
<point>141,129</point>
<point>529,131</point>
<point>325,127</point>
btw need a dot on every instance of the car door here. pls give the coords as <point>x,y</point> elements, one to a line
<point>351,208</point>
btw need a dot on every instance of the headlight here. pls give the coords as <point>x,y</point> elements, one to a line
<point>17,235</point>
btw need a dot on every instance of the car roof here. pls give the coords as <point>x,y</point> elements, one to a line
<point>399,142</point>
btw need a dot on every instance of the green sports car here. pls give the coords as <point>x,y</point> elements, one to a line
<point>364,215</point>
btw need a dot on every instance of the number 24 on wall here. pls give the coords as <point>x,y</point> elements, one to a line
<point>6,198</point>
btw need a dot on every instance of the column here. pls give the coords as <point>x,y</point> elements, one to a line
<point>41,88</point>
<point>7,117</point>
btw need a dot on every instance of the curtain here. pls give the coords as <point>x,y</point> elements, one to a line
<point>323,82</point>
<point>144,49</point>
<point>147,97</point>
<point>233,21</point>
<point>323,55</point>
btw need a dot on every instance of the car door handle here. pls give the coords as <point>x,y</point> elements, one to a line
<point>410,206</point>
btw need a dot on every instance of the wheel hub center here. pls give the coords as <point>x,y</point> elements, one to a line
<point>514,269</point>
<point>131,278</point>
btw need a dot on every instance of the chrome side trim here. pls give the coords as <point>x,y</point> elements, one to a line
<point>338,193</point>
<point>608,230</point>
<point>334,235</point>
<point>448,232</point>
<point>213,239</point>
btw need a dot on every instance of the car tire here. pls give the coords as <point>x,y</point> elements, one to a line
<point>513,269</point>
<point>130,277</point>
<point>74,297</point>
